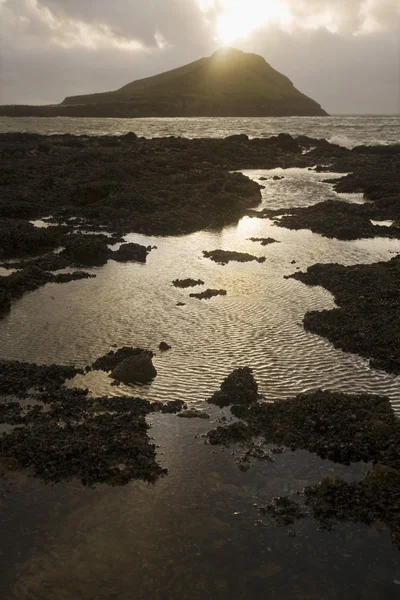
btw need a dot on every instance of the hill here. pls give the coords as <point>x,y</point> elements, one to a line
<point>230,83</point>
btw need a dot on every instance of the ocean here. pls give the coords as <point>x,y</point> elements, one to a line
<point>344,130</point>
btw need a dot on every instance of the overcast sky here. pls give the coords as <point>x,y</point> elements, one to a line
<point>343,53</point>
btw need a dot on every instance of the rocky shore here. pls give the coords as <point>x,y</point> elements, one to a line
<point>367,320</point>
<point>58,433</point>
<point>343,428</point>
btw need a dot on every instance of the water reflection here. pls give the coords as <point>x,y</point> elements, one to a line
<point>258,323</point>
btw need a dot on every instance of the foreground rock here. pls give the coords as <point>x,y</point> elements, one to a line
<point>207,294</point>
<point>223,257</point>
<point>239,387</point>
<point>102,440</point>
<point>135,369</point>
<point>367,320</point>
<point>340,427</point>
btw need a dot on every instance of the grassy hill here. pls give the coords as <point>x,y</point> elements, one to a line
<point>228,83</point>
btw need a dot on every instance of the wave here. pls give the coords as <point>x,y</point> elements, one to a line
<point>346,142</point>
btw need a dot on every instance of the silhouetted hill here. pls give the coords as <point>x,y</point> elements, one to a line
<point>230,83</point>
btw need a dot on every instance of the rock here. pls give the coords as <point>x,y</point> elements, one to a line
<point>222,257</point>
<point>131,252</point>
<point>164,347</point>
<point>264,241</point>
<point>110,361</point>
<point>207,294</point>
<point>86,251</point>
<point>277,178</point>
<point>5,301</point>
<point>180,304</point>
<point>135,369</point>
<point>185,283</point>
<point>193,413</point>
<point>366,319</point>
<point>239,387</point>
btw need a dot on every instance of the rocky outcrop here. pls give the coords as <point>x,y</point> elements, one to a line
<point>135,369</point>
<point>239,387</point>
<point>366,321</point>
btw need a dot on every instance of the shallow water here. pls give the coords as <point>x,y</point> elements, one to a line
<point>343,130</point>
<point>196,534</point>
<point>258,323</point>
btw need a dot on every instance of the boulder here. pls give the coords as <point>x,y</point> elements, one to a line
<point>164,346</point>
<point>135,369</point>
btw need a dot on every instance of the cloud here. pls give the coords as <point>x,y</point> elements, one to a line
<point>339,16</point>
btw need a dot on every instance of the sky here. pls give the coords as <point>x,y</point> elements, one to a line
<point>345,54</point>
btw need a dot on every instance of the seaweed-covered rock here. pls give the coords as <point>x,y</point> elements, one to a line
<point>366,321</point>
<point>207,294</point>
<point>131,252</point>
<point>239,387</point>
<point>135,369</point>
<point>19,237</point>
<point>110,361</point>
<point>222,257</point>
<point>86,251</point>
<point>186,283</point>
<point>264,241</point>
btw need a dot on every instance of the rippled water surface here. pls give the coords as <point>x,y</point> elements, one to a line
<point>343,130</point>
<point>258,323</point>
<point>196,534</point>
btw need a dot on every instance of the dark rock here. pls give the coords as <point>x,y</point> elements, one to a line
<point>180,304</point>
<point>222,257</point>
<point>239,387</point>
<point>19,237</point>
<point>264,241</point>
<point>111,360</point>
<point>5,301</point>
<point>135,369</point>
<point>131,252</point>
<point>164,347</point>
<point>334,219</point>
<point>85,251</point>
<point>207,294</point>
<point>185,283</point>
<point>366,321</point>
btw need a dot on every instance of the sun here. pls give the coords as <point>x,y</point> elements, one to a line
<point>239,18</point>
